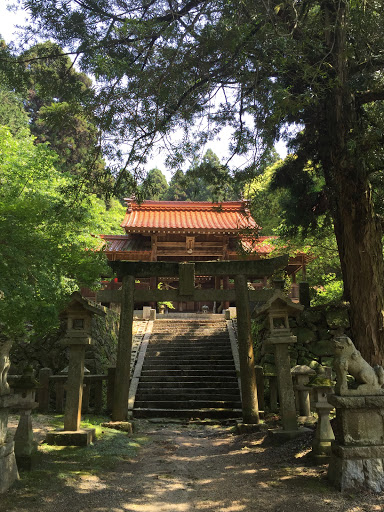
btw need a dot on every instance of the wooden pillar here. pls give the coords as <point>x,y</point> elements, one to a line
<point>110,387</point>
<point>153,280</point>
<point>226,287</point>
<point>124,348</point>
<point>246,357</point>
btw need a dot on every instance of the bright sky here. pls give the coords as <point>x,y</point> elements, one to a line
<point>8,21</point>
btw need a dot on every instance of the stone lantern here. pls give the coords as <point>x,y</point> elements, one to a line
<point>8,467</point>
<point>25,445</point>
<point>278,309</point>
<point>301,374</point>
<point>322,386</point>
<point>78,316</point>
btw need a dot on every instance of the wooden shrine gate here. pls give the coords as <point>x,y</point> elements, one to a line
<point>241,295</point>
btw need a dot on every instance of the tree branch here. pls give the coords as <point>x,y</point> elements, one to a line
<point>369,96</point>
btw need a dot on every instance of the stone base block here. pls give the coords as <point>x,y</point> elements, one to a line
<point>248,428</point>
<point>26,462</point>
<point>321,451</point>
<point>281,435</point>
<point>124,426</point>
<point>351,473</point>
<point>8,467</point>
<point>71,438</point>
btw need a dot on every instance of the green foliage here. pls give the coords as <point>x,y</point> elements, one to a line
<point>309,71</point>
<point>177,188</point>
<point>205,180</point>
<point>154,186</point>
<point>59,102</point>
<point>12,113</point>
<point>265,205</point>
<point>45,245</point>
<point>330,292</point>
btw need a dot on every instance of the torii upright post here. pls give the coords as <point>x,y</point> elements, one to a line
<point>124,348</point>
<point>246,357</point>
<point>186,272</point>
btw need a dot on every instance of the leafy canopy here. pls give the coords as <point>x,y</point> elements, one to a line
<point>45,242</point>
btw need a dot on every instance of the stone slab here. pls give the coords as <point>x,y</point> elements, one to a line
<point>282,436</point>
<point>248,428</point>
<point>124,426</point>
<point>357,402</point>
<point>8,467</point>
<point>361,427</point>
<point>358,452</point>
<point>71,438</point>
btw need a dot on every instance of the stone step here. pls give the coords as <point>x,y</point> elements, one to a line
<point>184,359</point>
<point>175,350</point>
<point>190,335</point>
<point>225,384</point>
<point>145,412</point>
<point>206,358</point>
<point>188,369</point>
<point>185,404</point>
<point>188,346</point>
<point>154,376</point>
<point>187,395</point>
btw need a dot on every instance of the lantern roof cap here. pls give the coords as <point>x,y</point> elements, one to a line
<point>302,369</point>
<point>77,300</point>
<point>279,300</point>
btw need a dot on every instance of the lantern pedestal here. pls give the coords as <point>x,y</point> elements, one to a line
<point>8,467</point>
<point>82,437</point>
<point>72,435</point>
<point>78,315</point>
<point>286,394</point>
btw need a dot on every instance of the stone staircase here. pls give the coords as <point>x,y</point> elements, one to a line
<point>188,371</point>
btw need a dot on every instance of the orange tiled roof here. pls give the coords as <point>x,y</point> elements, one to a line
<point>123,243</point>
<point>260,245</point>
<point>185,216</point>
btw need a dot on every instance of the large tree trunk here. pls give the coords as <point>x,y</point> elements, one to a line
<point>360,248</point>
<point>358,233</point>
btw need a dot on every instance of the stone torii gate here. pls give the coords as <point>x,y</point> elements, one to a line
<point>241,295</point>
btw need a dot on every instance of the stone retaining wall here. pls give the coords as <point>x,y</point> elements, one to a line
<point>47,352</point>
<point>315,329</point>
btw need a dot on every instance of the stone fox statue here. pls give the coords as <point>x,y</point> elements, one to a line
<point>348,360</point>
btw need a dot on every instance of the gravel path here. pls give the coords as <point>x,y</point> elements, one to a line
<point>202,468</point>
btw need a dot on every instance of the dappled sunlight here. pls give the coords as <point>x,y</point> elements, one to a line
<point>233,506</point>
<point>156,506</point>
<point>185,470</point>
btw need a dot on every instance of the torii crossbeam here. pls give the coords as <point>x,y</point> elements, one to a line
<point>241,295</point>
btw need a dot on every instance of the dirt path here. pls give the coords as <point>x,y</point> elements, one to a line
<point>188,468</point>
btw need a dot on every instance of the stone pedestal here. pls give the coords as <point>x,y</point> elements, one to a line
<point>324,436</point>
<point>8,467</point>
<point>25,445</point>
<point>284,380</point>
<point>273,393</point>
<point>72,435</point>
<point>72,413</point>
<point>25,392</point>
<point>357,458</point>
<point>301,375</point>
<point>71,438</point>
